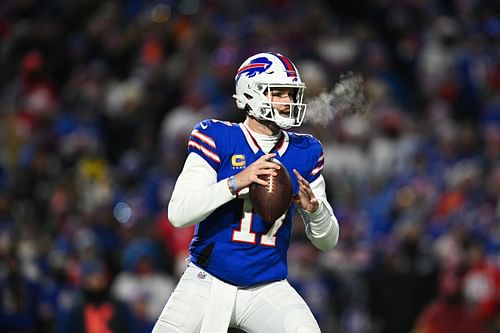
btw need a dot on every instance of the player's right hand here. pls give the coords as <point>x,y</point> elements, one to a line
<point>251,173</point>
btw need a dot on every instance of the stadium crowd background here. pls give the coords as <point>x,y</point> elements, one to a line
<point>97,99</point>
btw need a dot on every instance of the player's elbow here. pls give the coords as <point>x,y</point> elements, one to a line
<point>175,217</point>
<point>327,241</point>
<point>182,222</point>
<point>175,221</point>
<point>181,216</point>
<point>179,222</point>
<point>325,245</point>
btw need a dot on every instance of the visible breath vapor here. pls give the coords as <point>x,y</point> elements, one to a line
<point>347,97</point>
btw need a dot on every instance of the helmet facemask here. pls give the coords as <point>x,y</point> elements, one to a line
<point>270,110</point>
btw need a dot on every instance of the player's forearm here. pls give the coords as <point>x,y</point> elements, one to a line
<point>197,193</point>
<point>322,227</point>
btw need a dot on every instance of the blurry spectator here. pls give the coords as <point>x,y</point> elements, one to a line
<point>311,283</point>
<point>19,296</point>
<point>481,284</point>
<point>97,311</point>
<point>176,241</point>
<point>177,124</point>
<point>141,285</point>
<point>403,284</point>
<point>449,312</point>
<point>450,247</point>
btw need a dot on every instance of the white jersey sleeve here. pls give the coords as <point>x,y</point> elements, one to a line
<point>322,227</point>
<point>196,193</point>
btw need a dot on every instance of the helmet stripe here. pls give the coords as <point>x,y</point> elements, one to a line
<point>289,66</point>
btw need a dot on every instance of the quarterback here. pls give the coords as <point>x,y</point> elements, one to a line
<point>237,270</point>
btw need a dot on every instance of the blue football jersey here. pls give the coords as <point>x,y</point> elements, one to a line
<point>233,243</point>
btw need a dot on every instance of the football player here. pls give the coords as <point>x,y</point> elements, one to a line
<point>237,269</point>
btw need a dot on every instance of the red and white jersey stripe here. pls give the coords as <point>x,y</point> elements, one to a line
<point>204,138</point>
<point>208,153</point>
<point>319,165</point>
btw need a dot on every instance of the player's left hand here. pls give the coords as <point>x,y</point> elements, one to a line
<point>305,198</point>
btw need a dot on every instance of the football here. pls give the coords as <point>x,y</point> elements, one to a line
<point>270,202</point>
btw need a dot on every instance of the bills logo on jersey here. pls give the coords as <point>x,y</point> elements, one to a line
<point>256,66</point>
<point>238,161</point>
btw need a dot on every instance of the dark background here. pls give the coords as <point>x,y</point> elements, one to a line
<point>97,99</point>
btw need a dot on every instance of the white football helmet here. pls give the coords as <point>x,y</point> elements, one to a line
<point>260,74</point>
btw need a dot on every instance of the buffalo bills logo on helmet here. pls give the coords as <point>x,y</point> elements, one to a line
<point>254,67</point>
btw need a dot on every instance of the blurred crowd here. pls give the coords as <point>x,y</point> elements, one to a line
<point>97,99</point>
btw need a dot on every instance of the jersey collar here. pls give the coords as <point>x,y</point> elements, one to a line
<point>280,147</point>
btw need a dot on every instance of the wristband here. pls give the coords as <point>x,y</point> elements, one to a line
<point>233,184</point>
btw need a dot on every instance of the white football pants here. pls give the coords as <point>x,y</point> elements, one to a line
<point>270,308</point>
